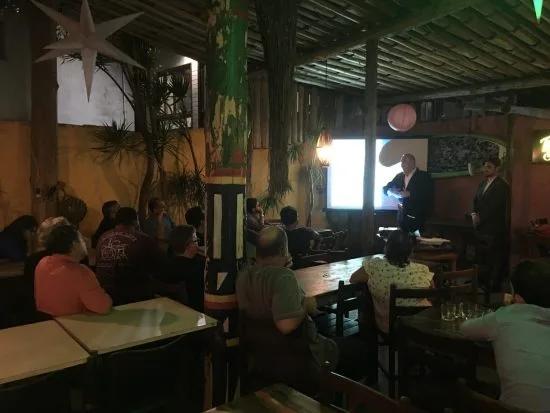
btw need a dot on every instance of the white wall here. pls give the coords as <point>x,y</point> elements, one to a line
<point>106,100</point>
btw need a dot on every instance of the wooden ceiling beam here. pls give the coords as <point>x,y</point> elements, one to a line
<point>424,16</point>
<point>356,58</point>
<point>146,32</point>
<point>482,52</point>
<point>472,90</point>
<point>427,55</point>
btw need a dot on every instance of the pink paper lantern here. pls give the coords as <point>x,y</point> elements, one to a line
<point>402,117</point>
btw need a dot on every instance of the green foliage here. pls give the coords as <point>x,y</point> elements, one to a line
<point>116,140</point>
<point>161,121</point>
<point>186,188</point>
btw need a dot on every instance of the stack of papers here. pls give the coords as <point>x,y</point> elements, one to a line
<point>432,241</point>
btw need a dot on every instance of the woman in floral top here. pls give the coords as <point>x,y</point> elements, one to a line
<point>394,268</point>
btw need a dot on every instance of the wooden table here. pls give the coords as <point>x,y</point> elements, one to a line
<point>322,281</point>
<point>36,349</point>
<point>276,398</point>
<point>9,269</point>
<point>134,324</point>
<point>443,336</point>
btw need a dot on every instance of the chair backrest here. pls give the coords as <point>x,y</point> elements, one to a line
<point>350,296</point>
<point>460,283</point>
<point>435,295</point>
<point>310,260</point>
<point>473,402</point>
<point>357,395</point>
<point>47,393</point>
<point>269,356</point>
<point>139,375</point>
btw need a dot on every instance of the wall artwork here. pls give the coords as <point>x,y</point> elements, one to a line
<point>449,155</point>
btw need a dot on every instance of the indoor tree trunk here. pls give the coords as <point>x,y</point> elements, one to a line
<point>277,23</point>
<point>227,99</point>
<point>43,148</point>
<point>146,189</point>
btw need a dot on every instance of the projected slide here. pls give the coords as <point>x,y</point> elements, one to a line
<point>345,174</point>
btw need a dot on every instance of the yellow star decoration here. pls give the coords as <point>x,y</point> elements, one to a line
<point>86,38</point>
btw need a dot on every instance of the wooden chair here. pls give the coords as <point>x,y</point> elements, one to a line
<point>350,298</point>
<point>435,295</point>
<point>147,379</point>
<point>358,396</point>
<point>468,287</point>
<point>473,402</point>
<point>268,356</point>
<point>447,257</point>
<point>47,393</point>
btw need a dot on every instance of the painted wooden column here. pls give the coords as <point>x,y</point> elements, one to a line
<point>226,145</point>
<point>369,131</point>
<point>44,173</point>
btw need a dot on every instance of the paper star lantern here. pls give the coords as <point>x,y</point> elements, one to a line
<point>538,8</point>
<point>86,38</point>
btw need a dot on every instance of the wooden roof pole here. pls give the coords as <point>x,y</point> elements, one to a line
<point>471,90</point>
<point>44,165</point>
<point>369,132</point>
<point>421,17</point>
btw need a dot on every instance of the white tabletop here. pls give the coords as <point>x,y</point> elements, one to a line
<point>134,324</point>
<point>35,349</point>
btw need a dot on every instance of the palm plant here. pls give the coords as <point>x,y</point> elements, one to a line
<point>161,118</point>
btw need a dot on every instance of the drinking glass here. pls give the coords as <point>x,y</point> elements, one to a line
<point>460,314</point>
<point>448,311</point>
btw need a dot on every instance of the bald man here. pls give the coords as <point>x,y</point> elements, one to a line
<point>414,190</point>
<point>270,291</point>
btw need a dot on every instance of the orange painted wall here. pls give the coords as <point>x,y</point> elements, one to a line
<point>96,182</point>
<point>80,167</point>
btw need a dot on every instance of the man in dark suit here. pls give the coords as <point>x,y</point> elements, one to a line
<point>490,218</point>
<point>414,190</point>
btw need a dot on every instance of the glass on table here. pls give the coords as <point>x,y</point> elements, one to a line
<point>449,311</point>
<point>470,310</point>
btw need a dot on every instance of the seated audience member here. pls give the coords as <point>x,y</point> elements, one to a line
<point>270,291</point>
<point>195,217</point>
<point>184,269</point>
<point>394,268</point>
<point>158,224</point>
<point>300,239</point>
<point>63,286</point>
<point>254,219</point>
<point>109,210</point>
<point>126,258</point>
<point>14,238</point>
<point>42,234</point>
<point>520,334</point>
<point>33,259</point>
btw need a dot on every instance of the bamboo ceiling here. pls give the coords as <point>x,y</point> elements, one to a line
<point>423,48</point>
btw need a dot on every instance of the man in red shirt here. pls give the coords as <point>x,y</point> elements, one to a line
<point>126,258</point>
<point>62,285</point>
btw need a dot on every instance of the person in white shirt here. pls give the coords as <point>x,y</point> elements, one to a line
<point>414,190</point>
<point>520,335</point>
<point>379,273</point>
